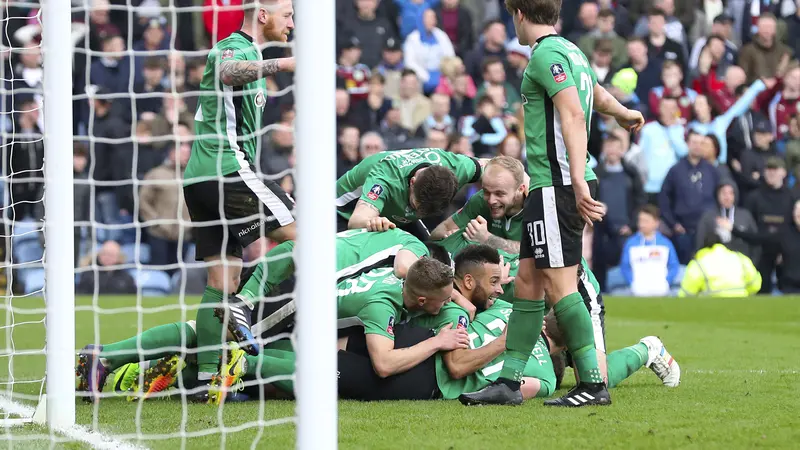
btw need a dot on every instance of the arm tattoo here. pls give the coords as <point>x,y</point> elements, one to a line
<point>237,73</point>
<point>503,244</point>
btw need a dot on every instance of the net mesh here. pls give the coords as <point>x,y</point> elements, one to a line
<point>134,100</point>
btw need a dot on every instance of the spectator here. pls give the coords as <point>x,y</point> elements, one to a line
<point>222,21</point>
<point>674,28</point>
<point>27,76</point>
<point>453,68</point>
<point>371,143</point>
<point>672,77</point>
<point>148,155</point>
<point>492,43</point>
<point>711,67</point>
<point>661,43</point>
<point>512,147</point>
<point>518,57</point>
<point>787,239</point>
<point>486,129</point>
<point>689,190</point>
<point>109,278</point>
<point>113,71</point>
<point>605,31</point>
<point>456,21</point>
<point>648,70</point>
<point>436,139</point>
<point>587,21</point>
<point>392,66</point>
<point>194,76</point>
<point>424,50</point>
<point>620,189</point>
<point>348,149</point>
<point>750,167</point>
<point>100,25</point>
<point>414,107</point>
<point>377,101</point>
<point>494,74</point>
<point>755,9</point>
<point>740,133</point>
<point>649,262</point>
<point>770,204</point>
<point>792,150</point>
<point>370,29</point>
<point>784,105</point>
<point>662,143</point>
<point>342,102</point>
<point>722,27</point>
<point>154,38</point>
<point>720,124</point>
<point>148,91</point>
<point>726,208</point>
<point>793,32</point>
<point>411,12</point>
<point>392,131</point>
<point>440,119</point>
<point>601,61</point>
<point>461,104</point>
<point>350,71</point>
<point>173,113</point>
<point>81,193</point>
<point>162,199</point>
<point>26,162</point>
<point>723,96</point>
<point>277,147</point>
<point>711,151</point>
<point>763,57</point>
<point>719,272</point>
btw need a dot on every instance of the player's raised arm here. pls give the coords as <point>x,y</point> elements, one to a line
<point>238,73</point>
<point>367,215</point>
<point>605,103</point>
<point>444,229</point>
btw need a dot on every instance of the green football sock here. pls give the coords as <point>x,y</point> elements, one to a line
<point>209,332</point>
<point>625,362</point>
<point>524,326</point>
<point>576,325</point>
<point>154,342</point>
<point>278,265</point>
<point>273,363</point>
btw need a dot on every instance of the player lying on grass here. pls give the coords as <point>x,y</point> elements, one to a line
<point>357,251</point>
<point>396,188</point>
<point>494,216</point>
<point>230,206</point>
<point>375,301</point>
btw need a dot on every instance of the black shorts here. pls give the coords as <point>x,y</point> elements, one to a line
<point>416,228</point>
<point>358,381</point>
<point>250,209</point>
<point>553,228</point>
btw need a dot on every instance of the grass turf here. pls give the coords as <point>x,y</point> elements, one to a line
<point>739,389</point>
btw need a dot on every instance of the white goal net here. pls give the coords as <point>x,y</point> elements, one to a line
<point>136,82</point>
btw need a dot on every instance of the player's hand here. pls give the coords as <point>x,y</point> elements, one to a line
<point>477,230</point>
<point>287,64</point>
<point>724,223</point>
<point>590,209</point>
<point>505,268</point>
<point>625,231</point>
<point>631,120</point>
<point>468,306</point>
<point>450,338</point>
<point>380,224</point>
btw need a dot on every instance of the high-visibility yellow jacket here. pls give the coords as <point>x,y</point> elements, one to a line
<point>720,272</point>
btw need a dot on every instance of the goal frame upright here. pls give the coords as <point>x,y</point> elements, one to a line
<point>58,214</point>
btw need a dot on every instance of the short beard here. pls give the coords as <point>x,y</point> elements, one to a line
<point>271,34</point>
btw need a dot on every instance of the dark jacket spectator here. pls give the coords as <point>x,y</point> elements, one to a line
<point>493,43</point>
<point>749,169</point>
<point>371,29</point>
<point>763,57</point>
<point>81,192</point>
<point>108,279</point>
<point>456,21</point>
<point>739,216</point>
<point>112,160</point>
<point>26,162</point>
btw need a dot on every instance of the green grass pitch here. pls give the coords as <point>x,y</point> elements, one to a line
<point>740,360</point>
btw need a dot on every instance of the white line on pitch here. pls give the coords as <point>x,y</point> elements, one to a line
<point>80,433</point>
<point>750,371</point>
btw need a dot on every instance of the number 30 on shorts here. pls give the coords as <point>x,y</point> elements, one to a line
<point>536,232</point>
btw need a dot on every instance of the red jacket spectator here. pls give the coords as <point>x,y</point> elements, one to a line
<point>229,18</point>
<point>672,77</point>
<point>784,105</point>
<point>723,98</point>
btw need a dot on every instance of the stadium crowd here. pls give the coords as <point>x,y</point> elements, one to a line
<point>718,82</point>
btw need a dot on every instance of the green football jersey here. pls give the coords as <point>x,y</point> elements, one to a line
<point>228,118</point>
<point>382,180</point>
<point>555,64</point>
<point>506,228</point>
<point>361,250</point>
<point>373,300</point>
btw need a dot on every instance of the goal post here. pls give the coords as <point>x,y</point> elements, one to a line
<point>316,279</point>
<point>59,219</point>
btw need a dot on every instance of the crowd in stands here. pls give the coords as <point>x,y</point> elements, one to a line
<point>717,80</point>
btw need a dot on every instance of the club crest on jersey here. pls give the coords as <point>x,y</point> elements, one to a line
<point>390,326</point>
<point>260,100</point>
<point>226,54</point>
<point>558,73</point>
<point>462,323</point>
<point>375,192</point>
